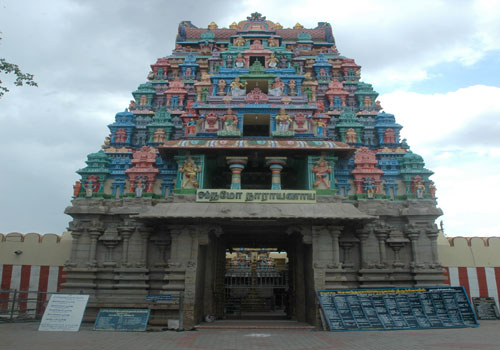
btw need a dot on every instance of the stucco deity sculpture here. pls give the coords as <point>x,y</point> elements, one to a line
<point>291,88</point>
<point>237,87</point>
<point>283,121</point>
<point>351,136</point>
<point>273,61</point>
<point>189,171</point>
<point>273,42</point>
<point>239,41</point>
<point>239,61</point>
<point>230,121</point>
<point>321,171</point>
<point>277,87</point>
<point>221,86</point>
<point>191,127</point>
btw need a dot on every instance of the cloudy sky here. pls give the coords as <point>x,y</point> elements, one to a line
<point>436,65</point>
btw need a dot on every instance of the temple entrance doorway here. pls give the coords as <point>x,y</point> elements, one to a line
<point>256,283</point>
<point>263,272</point>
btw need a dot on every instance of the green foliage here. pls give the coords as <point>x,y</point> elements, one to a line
<point>21,78</point>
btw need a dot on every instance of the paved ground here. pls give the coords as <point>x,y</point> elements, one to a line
<point>24,336</point>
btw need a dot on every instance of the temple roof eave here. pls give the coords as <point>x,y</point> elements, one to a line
<point>255,211</point>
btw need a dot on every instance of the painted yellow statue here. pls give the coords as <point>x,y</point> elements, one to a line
<point>283,121</point>
<point>239,41</point>
<point>237,87</point>
<point>273,61</point>
<point>189,171</point>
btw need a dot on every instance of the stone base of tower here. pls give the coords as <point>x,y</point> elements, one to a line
<point>124,254</point>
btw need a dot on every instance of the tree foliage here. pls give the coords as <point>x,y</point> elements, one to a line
<point>21,78</point>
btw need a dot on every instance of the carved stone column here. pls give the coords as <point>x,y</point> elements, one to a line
<point>276,164</point>
<point>347,246</point>
<point>126,233</point>
<point>413,234</point>
<point>144,232</point>
<point>76,233</point>
<point>236,164</point>
<point>382,232</point>
<point>161,243</point>
<point>363,235</point>
<point>432,233</point>
<point>94,232</point>
<point>335,232</point>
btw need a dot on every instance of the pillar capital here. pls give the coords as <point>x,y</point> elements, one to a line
<point>276,164</point>
<point>236,165</point>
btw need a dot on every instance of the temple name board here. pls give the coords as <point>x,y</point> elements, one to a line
<point>255,196</point>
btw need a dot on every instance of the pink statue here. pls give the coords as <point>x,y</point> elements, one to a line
<point>277,87</point>
<point>321,171</point>
<point>432,189</point>
<point>291,88</point>
<point>230,121</point>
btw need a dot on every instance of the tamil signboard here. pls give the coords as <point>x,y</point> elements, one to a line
<point>125,320</point>
<point>396,308</point>
<point>64,312</point>
<point>486,308</point>
<point>255,196</point>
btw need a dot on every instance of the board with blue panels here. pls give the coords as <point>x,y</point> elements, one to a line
<point>396,308</point>
<point>125,320</point>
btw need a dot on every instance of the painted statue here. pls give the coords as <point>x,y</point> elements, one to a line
<point>420,189</point>
<point>89,188</point>
<point>273,61</point>
<point>273,42</point>
<point>277,87</point>
<point>369,185</point>
<point>239,41</point>
<point>283,121</point>
<point>321,171</point>
<point>230,121</point>
<point>139,187</point>
<point>189,171</point>
<point>239,62</point>
<point>320,128</point>
<point>221,85</point>
<point>237,87</point>
<point>229,61</point>
<point>351,136</point>
<point>191,127</point>
<point>77,188</point>
<point>291,88</point>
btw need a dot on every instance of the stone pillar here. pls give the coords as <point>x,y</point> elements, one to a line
<point>144,233</point>
<point>335,232</point>
<point>413,234</point>
<point>347,246</point>
<point>363,235</point>
<point>94,234</point>
<point>73,262</point>
<point>126,233</point>
<point>396,245</point>
<point>236,164</point>
<point>382,233</point>
<point>432,233</point>
<point>276,164</point>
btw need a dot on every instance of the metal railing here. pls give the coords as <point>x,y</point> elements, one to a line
<point>18,305</point>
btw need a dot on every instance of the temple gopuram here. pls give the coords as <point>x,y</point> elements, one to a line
<point>252,168</point>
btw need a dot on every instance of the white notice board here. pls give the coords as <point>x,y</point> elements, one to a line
<point>64,312</point>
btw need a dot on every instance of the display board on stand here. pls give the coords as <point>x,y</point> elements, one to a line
<point>396,308</point>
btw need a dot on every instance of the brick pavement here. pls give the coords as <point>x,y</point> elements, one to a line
<point>23,336</point>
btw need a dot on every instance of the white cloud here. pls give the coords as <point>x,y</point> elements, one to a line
<point>465,159</point>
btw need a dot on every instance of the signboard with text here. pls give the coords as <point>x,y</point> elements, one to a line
<point>64,312</point>
<point>125,320</point>
<point>396,308</point>
<point>255,196</point>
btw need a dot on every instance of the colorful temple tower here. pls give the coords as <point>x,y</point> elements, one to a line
<point>253,137</point>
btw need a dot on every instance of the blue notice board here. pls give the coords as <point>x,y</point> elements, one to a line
<point>125,320</point>
<point>396,308</point>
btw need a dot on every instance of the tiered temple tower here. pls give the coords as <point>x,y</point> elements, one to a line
<point>251,136</point>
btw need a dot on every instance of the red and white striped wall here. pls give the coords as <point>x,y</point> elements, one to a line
<point>477,281</point>
<point>30,277</point>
